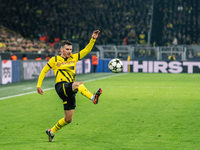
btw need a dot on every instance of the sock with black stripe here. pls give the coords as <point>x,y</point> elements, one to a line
<point>61,123</point>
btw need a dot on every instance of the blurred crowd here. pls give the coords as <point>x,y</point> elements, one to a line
<point>38,26</point>
<point>180,21</point>
<point>75,20</point>
<point>12,42</point>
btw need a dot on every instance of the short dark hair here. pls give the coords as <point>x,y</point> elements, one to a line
<point>65,42</point>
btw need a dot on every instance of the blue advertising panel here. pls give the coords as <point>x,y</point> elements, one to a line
<point>0,71</point>
<point>16,71</point>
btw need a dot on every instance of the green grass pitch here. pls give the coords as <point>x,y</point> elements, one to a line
<point>135,112</point>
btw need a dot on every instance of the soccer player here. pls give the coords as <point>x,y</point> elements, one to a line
<point>64,67</point>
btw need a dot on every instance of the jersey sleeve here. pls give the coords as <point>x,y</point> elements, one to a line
<point>87,49</point>
<point>44,71</point>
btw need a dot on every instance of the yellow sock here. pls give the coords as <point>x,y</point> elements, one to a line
<point>61,123</point>
<point>82,89</point>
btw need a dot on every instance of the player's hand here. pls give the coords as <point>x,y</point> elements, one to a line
<point>39,90</point>
<point>95,34</point>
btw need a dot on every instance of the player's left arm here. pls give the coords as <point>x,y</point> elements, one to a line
<point>41,77</point>
<point>44,71</point>
<point>89,47</point>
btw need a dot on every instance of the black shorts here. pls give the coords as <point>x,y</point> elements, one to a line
<point>64,90</point>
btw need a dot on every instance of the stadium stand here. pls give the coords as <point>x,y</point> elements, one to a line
<point>38,26</point>
<point>178,21</point>
<point>13,42</point>
<point>117,19</point>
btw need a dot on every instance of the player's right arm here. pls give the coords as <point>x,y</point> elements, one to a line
<point>44,71</point>
<point>89,47</point>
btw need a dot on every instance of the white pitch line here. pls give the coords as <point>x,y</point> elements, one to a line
<point>104,77</point>
<point>23,94</point>
<point>53,87</point>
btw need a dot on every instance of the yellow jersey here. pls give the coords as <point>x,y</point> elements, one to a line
<point>65,68</point>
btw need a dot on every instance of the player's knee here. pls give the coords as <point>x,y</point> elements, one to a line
<point>75,86</point>
<point>80,83</point>
<point>69,120</point>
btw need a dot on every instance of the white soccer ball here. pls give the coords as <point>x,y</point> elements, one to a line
<point>115,65</point>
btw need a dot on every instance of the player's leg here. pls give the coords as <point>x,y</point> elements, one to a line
<point>69,116</point>
<point>51,132</point>
<point>60,124</point>
<point>79,86</point>
<point>65,92</point>
<point>64,121</point>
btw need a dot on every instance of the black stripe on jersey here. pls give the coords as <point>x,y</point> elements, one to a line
<point>49,65</point>
<point>56,73</point>
<point>70,68</point>
<point>70,76</point>
<point>79,56</point>
<point>64,75</point>
<point>67,72</point>
<point>56,58</point>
